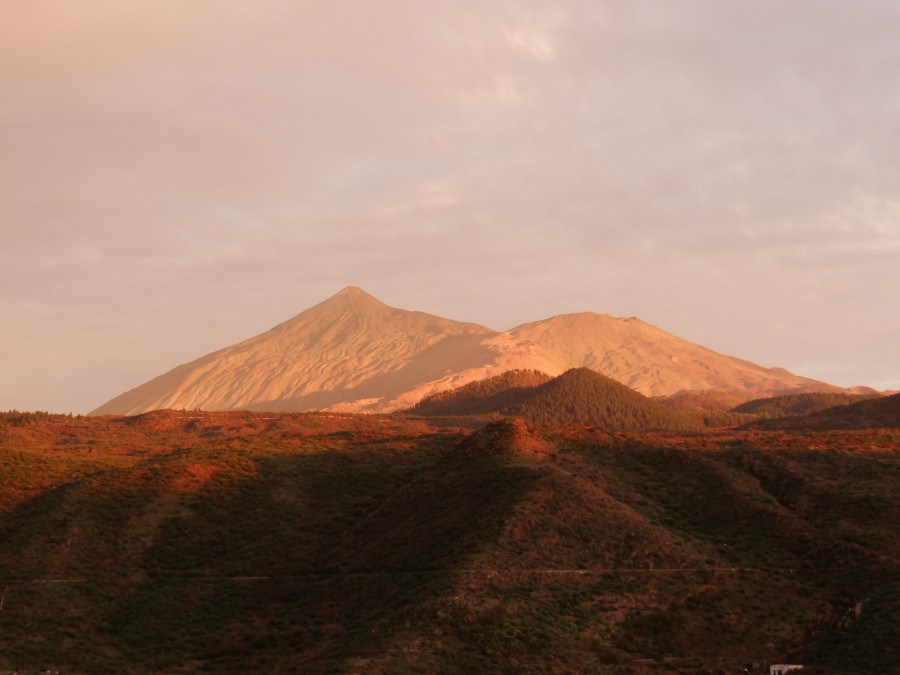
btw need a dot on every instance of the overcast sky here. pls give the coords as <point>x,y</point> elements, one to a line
<point>178,175</point>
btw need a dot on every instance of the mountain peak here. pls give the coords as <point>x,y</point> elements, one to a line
<point>353,352</point>
<point>350,290</point>
<point>355,300</point>
<point>352,293</point>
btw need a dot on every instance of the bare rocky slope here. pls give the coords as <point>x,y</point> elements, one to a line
<point>354,353</point>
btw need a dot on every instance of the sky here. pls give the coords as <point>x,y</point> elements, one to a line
<point>177,176</point>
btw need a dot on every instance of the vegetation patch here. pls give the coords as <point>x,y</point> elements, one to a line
<point>248,542</point>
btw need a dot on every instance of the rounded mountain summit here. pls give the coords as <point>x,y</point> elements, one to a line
<point>354,353</point>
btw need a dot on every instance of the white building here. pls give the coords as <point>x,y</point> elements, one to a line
<point>783,668</point>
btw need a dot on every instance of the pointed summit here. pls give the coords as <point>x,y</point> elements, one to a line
<point>353,301</point>
<point>352,292</point>
<point>351,349</point>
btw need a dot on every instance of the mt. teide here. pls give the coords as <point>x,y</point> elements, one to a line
<point>354,353</point>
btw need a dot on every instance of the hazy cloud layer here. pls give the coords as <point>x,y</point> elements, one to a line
<point>176,176</point>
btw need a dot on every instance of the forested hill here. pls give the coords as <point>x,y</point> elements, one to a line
<point>483,396</point>
<point>799,404</point>
<point>874,413</point>
<point>578,396</point>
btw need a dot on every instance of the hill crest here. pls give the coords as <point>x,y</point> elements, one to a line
<point>578,396</point>
<point>869,413</point>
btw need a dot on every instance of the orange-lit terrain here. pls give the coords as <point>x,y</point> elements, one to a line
<point>648,422</point>
<point>179,541</point>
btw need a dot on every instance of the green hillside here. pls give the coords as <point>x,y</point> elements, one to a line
<point>482,396</point>
<point>583,396</point>
<point>868,413</point>
<point>578,396</point>
<point>234,542</point>
<point>798,404</point>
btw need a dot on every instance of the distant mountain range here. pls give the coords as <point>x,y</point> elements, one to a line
<point>353,353</point>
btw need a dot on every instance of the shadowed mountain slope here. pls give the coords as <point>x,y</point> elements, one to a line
<point>354,353</point>
<point>799,404</point>
<point>873,413</point>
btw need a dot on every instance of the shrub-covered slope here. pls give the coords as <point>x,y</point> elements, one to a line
<point>578,396</point>
<point>482,396</point>
<point>234,542</point>
<point>870,413</point>
<point>798,404</point>
<point>583,396</point>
